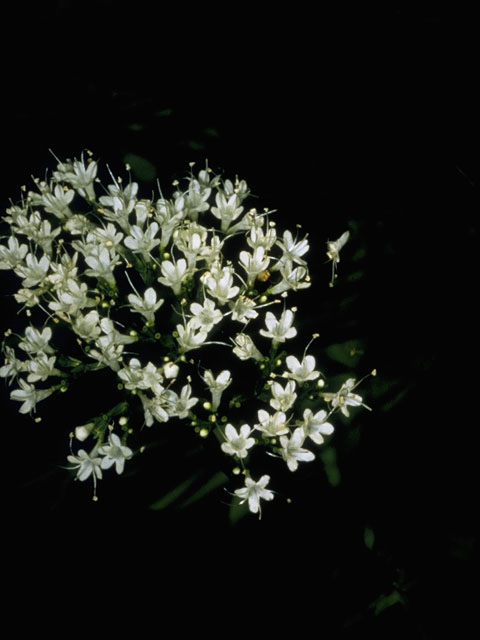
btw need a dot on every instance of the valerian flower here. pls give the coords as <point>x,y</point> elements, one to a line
<point>87,464</point>
<point>292,450</point>
<point>279,330</point>
<point>182,404</point>
<point>174,274</point>
<point>254,263</point>
<point>292,250</point>
<point>243,309</point>
<point>14,255</point>
<point>254,492</point>
<point>245,348</point>
<point>217,385</point>
<point>344,398</point>
<point>226,210</point>
<point>315,426</point>
<point>283,397</point>
<point>219,284</point>
<point>272,426</point>
<point>205,316</point>
<point>35,342</point>
<point>115,453</point>
<point>29,396</point>
<point>189,337</point>
<point>237,444</point>
<point>302,371</point>
<point>34,271</point>
<point>146,306</point>
<point>333,251</point>
<point>142,241</point>
<point>102,264</point>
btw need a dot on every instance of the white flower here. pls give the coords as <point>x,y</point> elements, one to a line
<point>174,274</point>
<point>109,351</point>
<point>153,408</point>
<point>146,306</point>
<point>71,298</point>
<point>108,237</point>
<point>283,398</point>
<point>219,284</point>
<point>205,316</point>
<point>56,202</point>
<point>244,347</point>
<point>132,375</point>
<point>189,338</point>
<point>279,330</point>
<point>344,398</point>
<point>184,403</point>
<point>15,254</point>
<point>79,176</point>
<point>217,385</point>
<point>151,379</point>
<point>226,210</point>
<point>196,198</point>
<point>122,202</point>
<point>29,395</point>
<point>27,297</point>
<point>88,326</point>
<point>237,443</point>
<point>254,492</point>
<point>292,451</point>
<point>34,271</point>
<point>13,366</point>
<point>87,464</point>
<point>333,251</point>
<point>169,215</point>
<point>254,263</point>
<point>315,427</point>
<point>140,241</point>
<point>41,368</point>
<point>115,453</point>
<point>292,250</point>
<point>101,264</point>
<point>333,247</point>
<point>63,271</point>
<point>34,341</point>
<point>243,309</point>
<point>190,239</point>
<point>259,239</point>
<point>272,426</point>
<point>291,279</point>
<point>304,371</point>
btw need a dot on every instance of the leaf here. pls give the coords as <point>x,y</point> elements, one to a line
<point>174,494</point>
<point>347,353</point>
<point>142,168</point>
<point>386,601</point>
<point>217,480</point>
<point>237,511</point>
<point>329,459</point>
<point>369,538</point>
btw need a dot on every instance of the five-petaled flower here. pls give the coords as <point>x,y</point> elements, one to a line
<point>114,453</point>
<point>238,443</point>
<point>254,492</point>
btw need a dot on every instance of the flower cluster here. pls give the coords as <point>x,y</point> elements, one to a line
<point>130,276</point>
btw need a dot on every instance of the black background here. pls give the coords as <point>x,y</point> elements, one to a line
<point>344,119</point>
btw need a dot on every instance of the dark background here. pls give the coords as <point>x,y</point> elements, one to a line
<point>347,119</point>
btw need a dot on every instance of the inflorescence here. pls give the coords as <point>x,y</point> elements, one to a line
<point>121,273</point>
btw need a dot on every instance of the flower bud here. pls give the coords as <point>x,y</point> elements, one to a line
<point>82,432</point>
